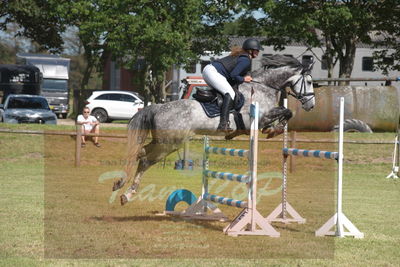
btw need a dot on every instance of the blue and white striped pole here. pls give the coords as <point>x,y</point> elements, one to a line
<point>310,153</point>
<point>227,151</point>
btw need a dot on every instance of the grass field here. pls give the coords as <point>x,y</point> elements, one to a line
<point>55,214</point>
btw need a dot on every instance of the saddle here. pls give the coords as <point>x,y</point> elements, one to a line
<point>208,95</point>
<point>211,100</point>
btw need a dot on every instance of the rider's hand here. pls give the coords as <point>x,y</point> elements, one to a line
<point>248,79</point>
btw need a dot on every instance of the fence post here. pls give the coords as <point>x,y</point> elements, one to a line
<point>293,145</point>
<point>78,143</point>
<point>185,164</point>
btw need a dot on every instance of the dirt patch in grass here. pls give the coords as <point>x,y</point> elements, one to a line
<point>80,221</point>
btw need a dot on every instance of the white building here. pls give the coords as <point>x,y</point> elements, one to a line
<point>363,63</point>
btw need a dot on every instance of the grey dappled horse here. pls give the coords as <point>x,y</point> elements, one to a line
<point>172,123</point>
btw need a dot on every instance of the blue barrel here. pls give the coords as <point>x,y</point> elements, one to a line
<point>178,196</point>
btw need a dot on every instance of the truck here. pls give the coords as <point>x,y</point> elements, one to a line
<point>190,85</point>
<point>55,74</point>
<point>19,79</point>
<point>368,108</point>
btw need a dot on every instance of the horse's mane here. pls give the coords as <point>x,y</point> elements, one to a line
<point>277,61</point>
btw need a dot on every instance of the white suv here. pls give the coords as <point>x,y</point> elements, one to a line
<point>114,105</point>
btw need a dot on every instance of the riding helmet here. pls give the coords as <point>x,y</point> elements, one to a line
<point>251,43</point>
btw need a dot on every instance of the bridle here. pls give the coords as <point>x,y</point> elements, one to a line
<point>301,95</point>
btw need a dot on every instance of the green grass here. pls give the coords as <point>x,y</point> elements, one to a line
<point>55,214</point>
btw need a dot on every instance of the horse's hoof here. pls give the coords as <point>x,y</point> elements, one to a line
<point>118,184</point>
<point>271,135</point>
<point>279,131</point>
<point>124,200</point>
<point>231,135</point>
<point>267,130</point>
<point>272,132</point>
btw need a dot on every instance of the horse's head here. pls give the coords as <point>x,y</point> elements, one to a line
<point>302,88</point>
<point>281,71</point>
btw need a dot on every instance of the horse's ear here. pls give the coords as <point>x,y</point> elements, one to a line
<point>308,68</point>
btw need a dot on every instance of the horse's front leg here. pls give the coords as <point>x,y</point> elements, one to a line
<point>275,121</point>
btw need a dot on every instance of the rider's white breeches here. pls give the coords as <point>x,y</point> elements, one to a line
<point>214,79</point>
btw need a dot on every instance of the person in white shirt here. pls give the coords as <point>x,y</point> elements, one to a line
<point>89,125</point>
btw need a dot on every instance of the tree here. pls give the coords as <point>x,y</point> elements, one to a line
<point>158,33</point>
<point>389,59</point>
<point>342,25</point>
<point>80,18</point>
<point>7,54</point>
<point>163,33</point>
<point>38,20</point>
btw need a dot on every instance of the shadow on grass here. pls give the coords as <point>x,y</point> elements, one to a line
<point>287,227</point>
<point>157,218</point>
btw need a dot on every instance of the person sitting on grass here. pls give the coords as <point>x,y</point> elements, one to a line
<point>89,125</point>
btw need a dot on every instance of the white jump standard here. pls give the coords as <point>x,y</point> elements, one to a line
<point>339,219</point>
<point>284,212</point>
<point>249,221</point>
<point>396,155</point>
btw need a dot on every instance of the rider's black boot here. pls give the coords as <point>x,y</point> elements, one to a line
<point>224,118</point>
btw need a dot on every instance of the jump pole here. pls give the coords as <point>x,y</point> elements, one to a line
<point>281,212</point>
<point>339,220</point>
<point>249,221</point>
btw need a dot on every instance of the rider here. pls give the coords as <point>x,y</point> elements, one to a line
<point>222,74</point>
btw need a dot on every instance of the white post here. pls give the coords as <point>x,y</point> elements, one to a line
<point>199,210</point>
<point>339,220</point>
<point>249,221</point>
<point>284,172</point>
<point>252,199</point>
<point>339,225</point>
<point>396,155</point>
<point>185,164</point>
<point>284,189</point>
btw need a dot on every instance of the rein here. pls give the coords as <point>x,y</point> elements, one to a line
<point>298,95</point>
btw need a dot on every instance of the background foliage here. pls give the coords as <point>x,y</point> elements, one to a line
<point>174,32</point>
<point>334,26</point>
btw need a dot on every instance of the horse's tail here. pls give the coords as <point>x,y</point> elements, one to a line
<point>138,129</point>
